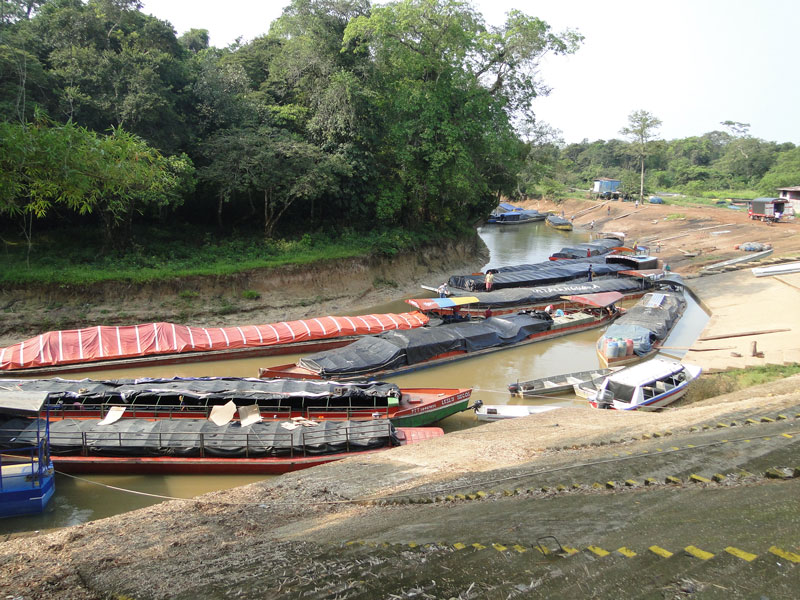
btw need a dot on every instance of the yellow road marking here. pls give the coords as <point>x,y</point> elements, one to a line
<point>748,556</point>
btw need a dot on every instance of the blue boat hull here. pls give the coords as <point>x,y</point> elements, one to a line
<point>20,496</point>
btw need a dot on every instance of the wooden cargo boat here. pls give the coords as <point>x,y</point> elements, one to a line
<point>378,357</point>
<point>644,328</point>
<point>557,222</point>
<point>112,347</point>
<point>196,446</point>
<point>191,398</point>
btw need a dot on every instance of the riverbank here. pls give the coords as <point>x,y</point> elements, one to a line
<point>580,472</point>
<point>332,287</point>
<point>686,238</point>
<point>672,233</point>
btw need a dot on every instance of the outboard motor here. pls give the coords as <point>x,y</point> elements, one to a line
<point>605,401</point>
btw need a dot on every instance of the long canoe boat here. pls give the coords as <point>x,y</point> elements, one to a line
<point>555,384</point>
<point>376,357</point>
<point>640,333</point>
<point>112,347</point>
<point>192,398</point>
<point>195,446</point>
<point>557,222</point>
<point>631,284</point>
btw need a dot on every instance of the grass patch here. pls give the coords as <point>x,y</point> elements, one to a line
<point>717,384</point>
<point>251,295</point>
<point>675,217</point>
<point>64,258</point>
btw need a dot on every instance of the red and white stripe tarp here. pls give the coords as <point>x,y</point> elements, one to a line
<point>130,341</point>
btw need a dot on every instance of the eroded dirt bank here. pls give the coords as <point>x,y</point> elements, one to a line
<point>328,287</point>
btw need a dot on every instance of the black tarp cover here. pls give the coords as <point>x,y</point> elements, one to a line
<point>593,248</point>
<point>207,391</point>
<point>194,437</point>
<point>419,345</point>
<point>548,273</point>
<point>655,314</point>
<point>553,293</point>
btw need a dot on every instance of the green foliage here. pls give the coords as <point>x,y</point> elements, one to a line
<point>251,295</point>
<point>717,384</point>
<point>170,253</point>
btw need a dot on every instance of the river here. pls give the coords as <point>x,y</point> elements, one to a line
<point>94,497</point>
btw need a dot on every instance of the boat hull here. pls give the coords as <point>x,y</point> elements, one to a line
<point>502,412</point>
<point>551,386</point>
<point>418,407</point>
<point>296,372</point>
<point>22,493</point>
<point>172,465</point>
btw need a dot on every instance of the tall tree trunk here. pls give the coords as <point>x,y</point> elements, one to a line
<point>641,184</point>
<point>220,202</point>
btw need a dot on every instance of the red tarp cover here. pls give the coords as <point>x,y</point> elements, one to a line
<point>130,341</point>
<point>601,299</point>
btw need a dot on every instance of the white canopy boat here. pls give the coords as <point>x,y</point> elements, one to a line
<point>647,386</point>
<point>496,412</point>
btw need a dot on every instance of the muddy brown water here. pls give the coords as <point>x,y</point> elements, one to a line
<point>93,497</point>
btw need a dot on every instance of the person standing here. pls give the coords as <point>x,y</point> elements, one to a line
<point>590,273</point>
<point>489,280</point>
<point>608,210</point>
<point>443,291</point>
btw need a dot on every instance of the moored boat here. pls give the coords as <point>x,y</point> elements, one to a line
<point>557,222</point>
<point>376,357</point>
<point>498,412</point>
<point>647,386</point>
<point>641,331</point>
<point>27,480</point>
<point>185,446</point>
<point>555,384</point>
<point>191,398</point>
<point>598,247</point>
<point>513,300</point>
<point>112,347</point>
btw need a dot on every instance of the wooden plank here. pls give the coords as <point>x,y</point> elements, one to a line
<point>741,334</point>
<point>733,261</point>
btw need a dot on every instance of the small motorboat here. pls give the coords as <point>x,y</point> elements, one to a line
<point>555,384</point>
<point>646,386</point>
<point>496,412</point>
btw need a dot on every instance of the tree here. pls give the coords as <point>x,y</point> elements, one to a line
<point>44,165</point>
<point>447,88</point>
<point>272,163</point>
<point>785,173</point>
<point>640,131</point>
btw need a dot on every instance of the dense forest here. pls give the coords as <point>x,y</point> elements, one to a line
<point>343,119</point>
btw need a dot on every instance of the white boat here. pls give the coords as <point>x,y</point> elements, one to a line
<point>647,386</point>
<point>556,384</point>
<point>496,412</point>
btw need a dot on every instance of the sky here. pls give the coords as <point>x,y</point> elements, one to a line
<point>691,63</point>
